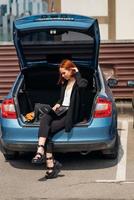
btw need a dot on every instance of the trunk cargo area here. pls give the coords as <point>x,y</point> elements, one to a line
<point>40,85</point>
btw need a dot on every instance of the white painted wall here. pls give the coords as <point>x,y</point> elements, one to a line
<point>103,31</point>
<point>85,7</point>
<point>125,19</point>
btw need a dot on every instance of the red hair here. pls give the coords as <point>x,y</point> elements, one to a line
<point>68,65</point>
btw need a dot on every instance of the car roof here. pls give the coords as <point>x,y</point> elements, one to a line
<point>53,19</point>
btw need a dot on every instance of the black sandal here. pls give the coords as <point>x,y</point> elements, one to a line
<point>55,169</point>
<point>39,160</point>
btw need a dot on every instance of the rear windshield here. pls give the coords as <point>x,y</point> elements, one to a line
<point>53,45</point>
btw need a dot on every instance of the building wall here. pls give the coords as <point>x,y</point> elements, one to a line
<point>89,8</point>
<point>10,10</point>
<point>115,16</point>
<point>124,15</point>
<point>86,7</point>
<point>34,6</point>
<point>125,19</point>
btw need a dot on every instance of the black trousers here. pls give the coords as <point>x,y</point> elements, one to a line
<point>48,127</point>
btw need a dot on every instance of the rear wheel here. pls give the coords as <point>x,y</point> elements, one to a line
<point>113,152</point>
<point>10,155</point>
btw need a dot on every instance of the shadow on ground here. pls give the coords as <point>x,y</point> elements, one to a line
<point>70,161</point>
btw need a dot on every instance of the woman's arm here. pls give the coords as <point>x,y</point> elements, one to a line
<point>81,82</point>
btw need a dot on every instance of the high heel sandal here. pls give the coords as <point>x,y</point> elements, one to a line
<point>39,157</point>
<point>54,170</point>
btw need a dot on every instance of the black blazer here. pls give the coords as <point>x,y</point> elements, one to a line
<point>78,106</point>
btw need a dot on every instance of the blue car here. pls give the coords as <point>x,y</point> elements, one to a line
<point>42,42</point>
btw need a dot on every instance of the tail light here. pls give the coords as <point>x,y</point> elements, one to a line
<point>8,109</point>
<point>103,108</point>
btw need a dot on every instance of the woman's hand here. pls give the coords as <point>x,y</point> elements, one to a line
<point>56,107</point>
<point>75,69</point>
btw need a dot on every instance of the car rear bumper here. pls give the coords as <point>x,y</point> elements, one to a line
<point>98,135</point>
<point>78,147</point>
<point>62,146</point>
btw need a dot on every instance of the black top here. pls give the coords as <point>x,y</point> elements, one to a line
<point>78,104</point>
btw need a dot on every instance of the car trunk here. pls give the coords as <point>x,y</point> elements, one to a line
<point>40,85</point>
<point>41,44</point>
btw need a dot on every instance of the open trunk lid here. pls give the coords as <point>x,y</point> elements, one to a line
<point>44,40</point>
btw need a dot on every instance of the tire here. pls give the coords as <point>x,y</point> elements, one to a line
<point>113,152</point>
<point>10,155</point>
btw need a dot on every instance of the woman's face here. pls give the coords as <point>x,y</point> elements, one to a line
<point>66,73</point>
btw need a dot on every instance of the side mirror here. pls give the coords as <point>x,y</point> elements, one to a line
<point>130,83</point>
<point>112,82</point>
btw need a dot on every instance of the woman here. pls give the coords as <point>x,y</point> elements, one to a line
<point>73,86</point>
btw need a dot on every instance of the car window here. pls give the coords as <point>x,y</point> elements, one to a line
<point>53,42</point>
<point>54,35</point>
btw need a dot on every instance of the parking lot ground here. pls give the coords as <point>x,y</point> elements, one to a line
<point>130,154</point>
<point>82,177</point>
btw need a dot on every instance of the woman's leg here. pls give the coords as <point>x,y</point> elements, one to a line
<point>53,166</point>
<point>42,135</point>
<point>40,147</point>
